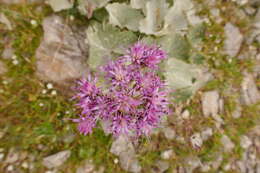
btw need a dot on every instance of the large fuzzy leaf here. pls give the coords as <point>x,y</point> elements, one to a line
<point>155,11</point>
<point>137,4</point>
<point>104,40</point>
<point>175,19</point>
<point>176,46</point>
<point>58,5</point>
<point>123,15</point>
<point>184,78</point>
<point>87,7</point>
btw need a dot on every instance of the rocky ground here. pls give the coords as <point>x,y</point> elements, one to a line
<point>43,50</point>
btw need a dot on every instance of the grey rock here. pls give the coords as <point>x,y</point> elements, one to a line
<point>242,166</point>
<point>185,114</point>
<point>205,168</point>
<point>20,1</point>
<point>206,134</point>
<point>249,91</point>
<point>241,2</point>
<point>2,155</point>
<point>227,143</point>
<point>237,112</point>
<point>58,5</point>
<point>233,40</point>
<point>61,56</point>
<point>56,160</point>
<point>86,167</point>
<point>167,154</point>
<point>215,12</point>
<point>255,32</point>
<point>12,156</point>
<point>216,163</point>
<point>192,162</point>
<point>3,70</point>
<point>129,162</point>
<point>68,138</point>
<point>250,10</point>
<point>169,133</point>
<point>212,104</point>
<point>124,148</point>
<point>161,166</point>
<point>258,167</point>
<point>245,142</point>
<point>196,140</point>
<point>8,52</point>
<point>6,21</point>
<point>122,144</point>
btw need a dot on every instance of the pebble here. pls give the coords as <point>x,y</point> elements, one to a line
<point>227,143</point>
<point>3,68</point>
<point>116,161</point>
<point>54,92</point>
<point>57,159</point>
<point>10,168</point>
<point>206,134</point>
<point>245,142</point>
<point>167,154</point>
<point>196,140</point>
<point>169,133</point>
<point>49,86</point>
<point>233,39</point>
<point>1,156</point>
<point>25,165</point>
<point>185,114</point>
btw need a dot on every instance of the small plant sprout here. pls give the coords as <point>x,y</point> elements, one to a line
<point>134,100</point>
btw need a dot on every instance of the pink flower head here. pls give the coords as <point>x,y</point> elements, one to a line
<point>136,100</point>
<point>145,55</point>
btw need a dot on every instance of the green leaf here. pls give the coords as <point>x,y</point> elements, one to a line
<point>106,40</point>
<point>87,7</point>
<point>122,15</point>
<point>175,19</point>
<point>197,33</point>
<point>176,46</point>
<point>184,78</point>
<point>58,5</point>
<point>155,11</point>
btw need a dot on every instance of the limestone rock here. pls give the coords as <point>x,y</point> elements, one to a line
<point>62,53</point>
<point>233,39</point>
<point>56,160</point>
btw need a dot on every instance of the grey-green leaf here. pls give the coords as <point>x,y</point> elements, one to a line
<point>175,19</point>
<point>155,11</point>
<point>87,7</point>
<point>185,78</point>
<point>122,15</point>
<point>58,5</point>
<point>176,46</point>
<point>105,40</point>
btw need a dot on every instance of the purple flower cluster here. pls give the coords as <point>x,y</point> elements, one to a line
<point>136,99</point>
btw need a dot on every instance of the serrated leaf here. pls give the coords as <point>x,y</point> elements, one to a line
<point>176,46</point>
<point>184,78</point>
<point>105,40</point>
<point>137,4</point>
<point>122,15</point>
<point>175,19</point>
<point>58,5</point>
<point>87,7</point>
<point>197,33</point>
<point>155,11</point>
